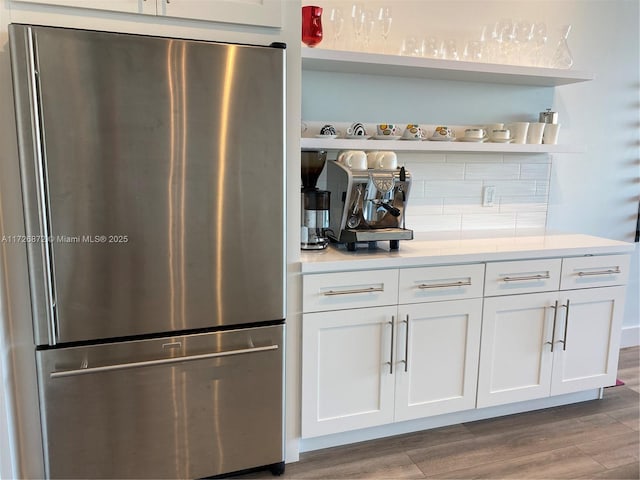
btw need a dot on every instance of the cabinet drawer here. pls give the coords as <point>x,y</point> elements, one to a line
<point>336,291</point>
<point>440,283</point>
<point>526,276</point>
<point>587,272</point>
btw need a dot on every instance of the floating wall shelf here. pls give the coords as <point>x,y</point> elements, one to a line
<point>418,67</point>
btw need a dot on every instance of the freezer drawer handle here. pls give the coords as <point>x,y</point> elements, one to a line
<point>611,271</point>
<point>356,290</point>
<point>541,276</point>
<point>460,283</point>
<point>163,361</point>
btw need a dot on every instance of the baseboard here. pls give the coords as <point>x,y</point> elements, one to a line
<point>371,433</point>
<point>630,336</point>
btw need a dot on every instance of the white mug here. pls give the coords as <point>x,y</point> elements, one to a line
<point>493,126</point>
<point>535,132</point>
<point>371,158</point>
<point>501,134</point>
<point>550,134</point>
<point>475,133</point>
<point>386,161</point>
<point>519,131</point>
<point>353,159</point>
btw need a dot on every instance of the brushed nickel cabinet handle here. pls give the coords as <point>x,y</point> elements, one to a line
<point>353,291</point>
<point>553,331</point>
<point>611,271</point>
<point>461,283</point>
<point>390,362</point>
<point>406,345</point>
<point>566,326</point>
<point>544,276</point>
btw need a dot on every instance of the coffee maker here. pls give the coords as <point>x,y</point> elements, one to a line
<point>372,207</point>
<point>315,202</point>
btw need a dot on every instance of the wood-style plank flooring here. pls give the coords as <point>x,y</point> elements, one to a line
<point>589,440</point>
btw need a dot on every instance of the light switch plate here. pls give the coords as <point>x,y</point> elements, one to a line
<point>488,196</point>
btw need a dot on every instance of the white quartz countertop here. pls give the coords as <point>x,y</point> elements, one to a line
<point>425,251</point>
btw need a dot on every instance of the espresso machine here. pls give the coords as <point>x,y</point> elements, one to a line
<point>315,202</point>
<point>372,205</point>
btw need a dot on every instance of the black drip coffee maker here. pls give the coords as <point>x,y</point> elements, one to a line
<point>315,202</point>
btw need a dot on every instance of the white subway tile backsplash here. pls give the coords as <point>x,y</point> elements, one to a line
<point>515,187</point>
<point>474,157</point>
<point>498,171</point>
<point>450,188</point>
<point>434,223</point>
<point>535,171</point>
<point>446,192</point>
<point>438,171</point>
<point>495,221</point>
<point>531,220</point>
<point>466,205</point>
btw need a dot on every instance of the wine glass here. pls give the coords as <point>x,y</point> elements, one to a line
<point>336,20</point>
<point>385,19</point>
<point>357,21</point>
<point>562,57</point>
<point>369,22</point>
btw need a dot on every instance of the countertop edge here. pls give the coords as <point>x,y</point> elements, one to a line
<point>426,253</point>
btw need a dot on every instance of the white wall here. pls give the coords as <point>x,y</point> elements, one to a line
<point>20,444</point>
<point>596,192</point>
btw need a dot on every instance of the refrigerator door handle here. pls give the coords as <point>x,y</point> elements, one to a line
<point>163,361</point>
<point>44,237</point>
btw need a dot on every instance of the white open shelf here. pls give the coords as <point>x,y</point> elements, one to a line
<point>379,64</point>
<point>431,146</point>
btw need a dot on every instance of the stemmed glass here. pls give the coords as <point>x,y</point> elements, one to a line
<point>562,57</point>
<point>369,22</point>
<point>357,20</point>
<point>385,19</point>
<point>336,20</point>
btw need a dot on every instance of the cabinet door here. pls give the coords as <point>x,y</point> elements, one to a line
<point>127,6</point>
<point>347,381</point>
<point>437,357</point>
<point>515,351</point>
<point>265,13</point>
<point>588,340</point>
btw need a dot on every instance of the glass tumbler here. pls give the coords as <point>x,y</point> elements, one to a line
<point>311,25</point>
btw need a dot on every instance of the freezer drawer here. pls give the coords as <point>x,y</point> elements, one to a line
<point>176,407</point>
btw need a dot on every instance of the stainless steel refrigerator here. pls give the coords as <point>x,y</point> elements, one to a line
<point>153,186</point>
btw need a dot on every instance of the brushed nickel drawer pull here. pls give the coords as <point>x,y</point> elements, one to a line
<point>544,276</point>
<point>357,290</point>
<point>406,346</point>
<point>461,283</point>
<point>611,271</point>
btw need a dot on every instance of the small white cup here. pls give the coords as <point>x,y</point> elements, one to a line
<point>413,132</point>
<point>353,159</point>
<point>519,131</point>
<point>493,126</point>
<point>500,134</point>
<point>534,134</point>
<point>386,161</point>
<point>550,134</point>
<point>388,129</point>
<point>475,133</point>
<point>371,158</point>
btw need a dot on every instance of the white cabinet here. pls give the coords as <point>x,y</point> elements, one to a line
<point>437,352</point>
<point>541,344</point>
<point>347,377</point>
<point>128,6</point>
<point>363,367</point>
<point>264,13</point>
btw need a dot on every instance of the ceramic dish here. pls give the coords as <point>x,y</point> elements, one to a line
<point>412,139</point>
<point>441,139</point>
<point>477,140</point>
<point>387,137</point>
<point>501,140</point>
<point>326,136</point>
<point>358,137</point>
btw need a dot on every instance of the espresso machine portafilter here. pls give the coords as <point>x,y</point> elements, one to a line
<point>315,202</point>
